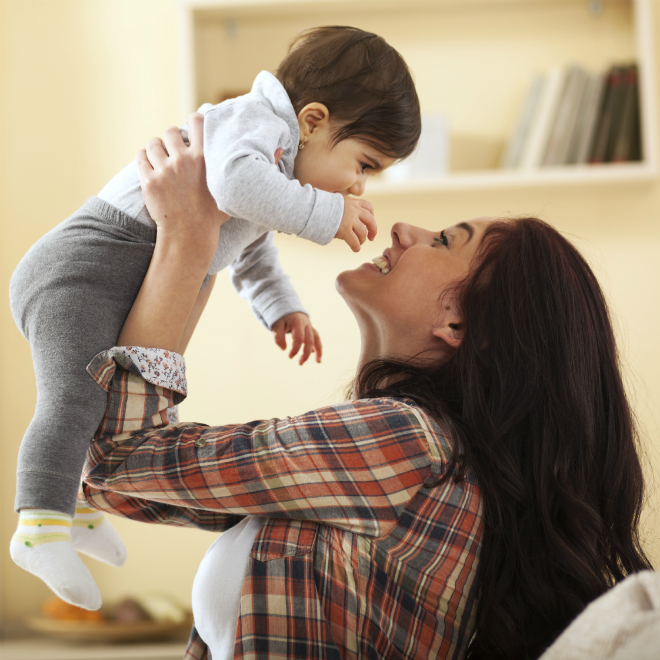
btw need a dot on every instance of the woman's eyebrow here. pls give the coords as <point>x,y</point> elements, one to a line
<point>468,229</point>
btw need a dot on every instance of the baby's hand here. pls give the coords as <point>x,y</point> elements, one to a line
<point>357,223</point>
<point>302,334</point>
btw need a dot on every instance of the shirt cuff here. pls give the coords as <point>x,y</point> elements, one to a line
<point>156,365</point>
<point>325,218</point>
<point>279,308</point>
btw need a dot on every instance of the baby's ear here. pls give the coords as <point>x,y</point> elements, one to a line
<point>312,116</point>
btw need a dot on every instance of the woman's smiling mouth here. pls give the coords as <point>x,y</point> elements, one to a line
<point>382,263</point>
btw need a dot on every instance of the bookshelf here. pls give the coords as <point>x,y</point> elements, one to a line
<point>500,45</point>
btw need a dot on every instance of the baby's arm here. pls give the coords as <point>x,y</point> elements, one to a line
<point>258,278</point>
<point>240,140</point>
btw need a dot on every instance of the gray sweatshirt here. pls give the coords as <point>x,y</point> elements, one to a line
<point>241,137</point>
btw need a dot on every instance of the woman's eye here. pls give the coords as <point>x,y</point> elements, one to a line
<point>443,239</point>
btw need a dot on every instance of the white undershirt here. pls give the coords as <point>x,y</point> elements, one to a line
<point>216,592</point>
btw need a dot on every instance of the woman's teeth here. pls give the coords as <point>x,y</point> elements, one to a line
<point>382,264</point>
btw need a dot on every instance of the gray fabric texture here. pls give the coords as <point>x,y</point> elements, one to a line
<point>69,297</point>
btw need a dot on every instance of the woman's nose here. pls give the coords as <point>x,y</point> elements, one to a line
<point>402,235</point>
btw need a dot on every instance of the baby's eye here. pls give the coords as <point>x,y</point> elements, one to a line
<point>365,166</point>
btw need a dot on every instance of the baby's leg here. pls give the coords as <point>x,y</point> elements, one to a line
<point>70,297</point>
<point>69,408</point>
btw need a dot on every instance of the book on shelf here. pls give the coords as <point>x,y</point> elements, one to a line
<point>574,116</point>
<point>587,118</point>
<point>625,139</point>
<point>610,114</point>
<point>541,124</point>
<point>514,148</point>
<point>565,117</point>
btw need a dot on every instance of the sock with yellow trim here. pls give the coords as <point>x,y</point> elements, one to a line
<point>93,534</point>
<point>42,545</point>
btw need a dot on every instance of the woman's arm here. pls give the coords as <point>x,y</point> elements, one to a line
<point>196,313</point>
<point>157,512</point>
<point>188,229</point>
<point>355,466</point>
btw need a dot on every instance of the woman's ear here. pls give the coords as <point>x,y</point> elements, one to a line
<point>311,118</point>
<point>449,328</point>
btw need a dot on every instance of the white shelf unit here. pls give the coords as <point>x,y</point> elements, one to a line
<point>472,60</point>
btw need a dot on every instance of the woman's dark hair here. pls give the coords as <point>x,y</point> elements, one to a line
<point>536,407</point>
<point>363,81</point>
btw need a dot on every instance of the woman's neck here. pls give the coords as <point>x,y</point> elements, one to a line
<point>379,344</point>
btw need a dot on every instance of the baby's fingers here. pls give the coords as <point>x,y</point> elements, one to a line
<point>351,240</point>
<point>360,230</point>
<point>318,348</point>
<point>297,338</point>
<point>368,220</point>
<point>308,345</point>
<point>279,334</point>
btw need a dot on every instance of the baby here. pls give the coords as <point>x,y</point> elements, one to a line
<point>284,157</point>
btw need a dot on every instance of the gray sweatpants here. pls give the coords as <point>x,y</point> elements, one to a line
<point>70,295</point>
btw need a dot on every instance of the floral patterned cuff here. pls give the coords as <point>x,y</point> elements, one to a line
<point>157,366</point>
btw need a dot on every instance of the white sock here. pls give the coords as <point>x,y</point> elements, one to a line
<point>42,546</point>
<point>93,534</point>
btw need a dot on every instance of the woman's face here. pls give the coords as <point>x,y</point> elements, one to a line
<point>406,310</point>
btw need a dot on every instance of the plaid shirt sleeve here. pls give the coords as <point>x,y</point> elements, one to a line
<point>353,466</point>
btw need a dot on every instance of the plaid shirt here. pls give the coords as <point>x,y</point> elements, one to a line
<point>363,554</point>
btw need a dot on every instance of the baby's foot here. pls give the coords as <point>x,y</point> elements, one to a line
<point>93,534</point>
<point>42,546</point>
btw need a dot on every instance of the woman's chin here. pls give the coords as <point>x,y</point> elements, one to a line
<point>348,280</point>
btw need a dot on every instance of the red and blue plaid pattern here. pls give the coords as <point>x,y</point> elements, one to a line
<point>362,556</point>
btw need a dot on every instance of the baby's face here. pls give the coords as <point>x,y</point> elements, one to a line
<point>343,168</point>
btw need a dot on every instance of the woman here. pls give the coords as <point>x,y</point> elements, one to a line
<point>480,488</point>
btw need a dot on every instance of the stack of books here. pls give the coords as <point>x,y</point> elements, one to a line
<point>572,116</point>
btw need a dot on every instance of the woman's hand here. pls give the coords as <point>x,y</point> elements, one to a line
<point>175,190</point>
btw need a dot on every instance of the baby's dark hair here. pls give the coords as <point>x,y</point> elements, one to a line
<point>365,84</point>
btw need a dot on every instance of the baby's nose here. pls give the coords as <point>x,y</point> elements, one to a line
<point>357,188</point>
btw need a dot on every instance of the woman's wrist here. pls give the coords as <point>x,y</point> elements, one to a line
<point>185,239</point>
<point>191,254</point>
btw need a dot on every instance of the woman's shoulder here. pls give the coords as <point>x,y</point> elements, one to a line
<point>396,405</point>
<point>399,414</point>
<point>374,405</point>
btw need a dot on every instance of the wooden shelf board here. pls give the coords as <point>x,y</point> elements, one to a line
<point>239,8</point>
<point>220,4</point>
<point>493,179</point>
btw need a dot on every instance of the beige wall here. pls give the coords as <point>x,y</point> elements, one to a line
<point>84,84</point>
